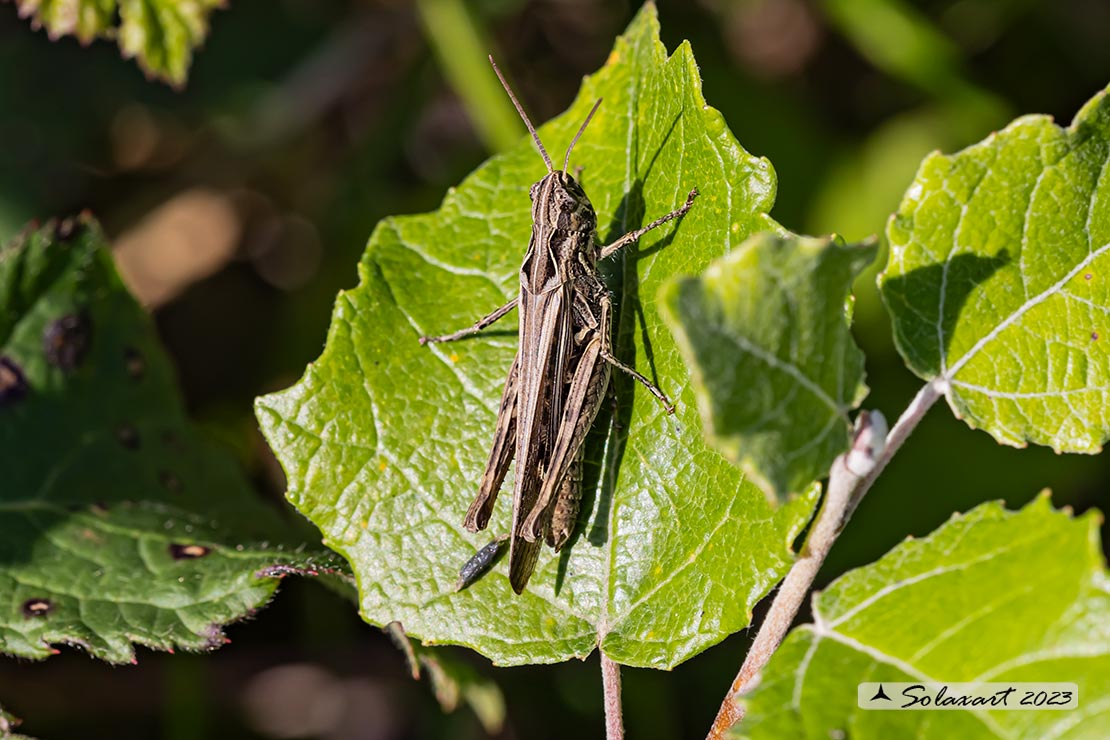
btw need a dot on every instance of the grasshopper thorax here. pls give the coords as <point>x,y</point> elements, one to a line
<point>560,202</point>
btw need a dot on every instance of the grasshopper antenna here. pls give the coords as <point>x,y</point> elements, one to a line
<point>566,162</point>
<point>524,116</point>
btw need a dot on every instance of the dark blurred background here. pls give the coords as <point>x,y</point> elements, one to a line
<point>239,206</point>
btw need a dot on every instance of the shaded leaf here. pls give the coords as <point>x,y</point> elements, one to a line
<point>159,34</point>
<point>765,333</point>
<point>121,523</point>
<point>384,440</point>
<point>992,595</point>
<point>452,680</point>
<point>998,280</point>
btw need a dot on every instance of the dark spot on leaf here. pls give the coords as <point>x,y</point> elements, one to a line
<point>169,481</point>
<point>1094,336</point>
<point>67,340</point>
<point>1088,276</point>
<point>37,607</point>
<point>128,437</point>
<point>13,384</point>
<point>135,363</point>
<point>187,552</point>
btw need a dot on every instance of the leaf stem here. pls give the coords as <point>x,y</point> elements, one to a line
<point>611,685</point>
<point>850,477</point>
<point>461,50</point>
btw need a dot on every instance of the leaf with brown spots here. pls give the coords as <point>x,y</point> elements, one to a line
<point>121,523</point>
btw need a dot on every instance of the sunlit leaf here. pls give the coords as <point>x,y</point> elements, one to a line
<point>992,595</point>
<point>384,441</point>
<point>999,280</point>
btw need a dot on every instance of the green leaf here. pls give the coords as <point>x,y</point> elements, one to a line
<point>384,440</point>
<point>117,515</point>
<point>998,281</point>
<point>992,595</point>
<point>160,34</point>
<point>765,333</point>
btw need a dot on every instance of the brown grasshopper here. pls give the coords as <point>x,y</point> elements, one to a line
<point>561,371</point>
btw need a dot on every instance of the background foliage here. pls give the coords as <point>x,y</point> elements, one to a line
<point>306,121</point>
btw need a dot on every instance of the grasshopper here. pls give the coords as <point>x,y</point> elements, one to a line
<point>561,372</point>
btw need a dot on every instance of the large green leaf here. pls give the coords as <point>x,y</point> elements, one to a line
<point>160,34</point>
<point>120,523</point>
<point>765,332</point>
<point>384,440</point>
<point>992,595</point>
<point>998,280</point>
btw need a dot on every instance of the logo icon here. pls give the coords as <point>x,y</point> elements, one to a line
<point>880,694</point>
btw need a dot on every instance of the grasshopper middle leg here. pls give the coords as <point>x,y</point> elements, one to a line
<point>632,236</point>
<point>606,354</point>
<point>482,323</point>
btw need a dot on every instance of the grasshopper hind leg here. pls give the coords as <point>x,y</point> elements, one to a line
<point>500,456</point>
<point>522,561</point>
<point>564,515</point>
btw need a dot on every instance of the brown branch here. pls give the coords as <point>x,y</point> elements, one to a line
<point>850,477</point>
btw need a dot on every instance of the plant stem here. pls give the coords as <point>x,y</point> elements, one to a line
<point>611,685</point>
<point>461,50</point>
<point>850,477</point>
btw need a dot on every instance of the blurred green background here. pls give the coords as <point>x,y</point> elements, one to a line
<point>239,206</point>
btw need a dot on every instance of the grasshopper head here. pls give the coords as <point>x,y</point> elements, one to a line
<point>559,202</point>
